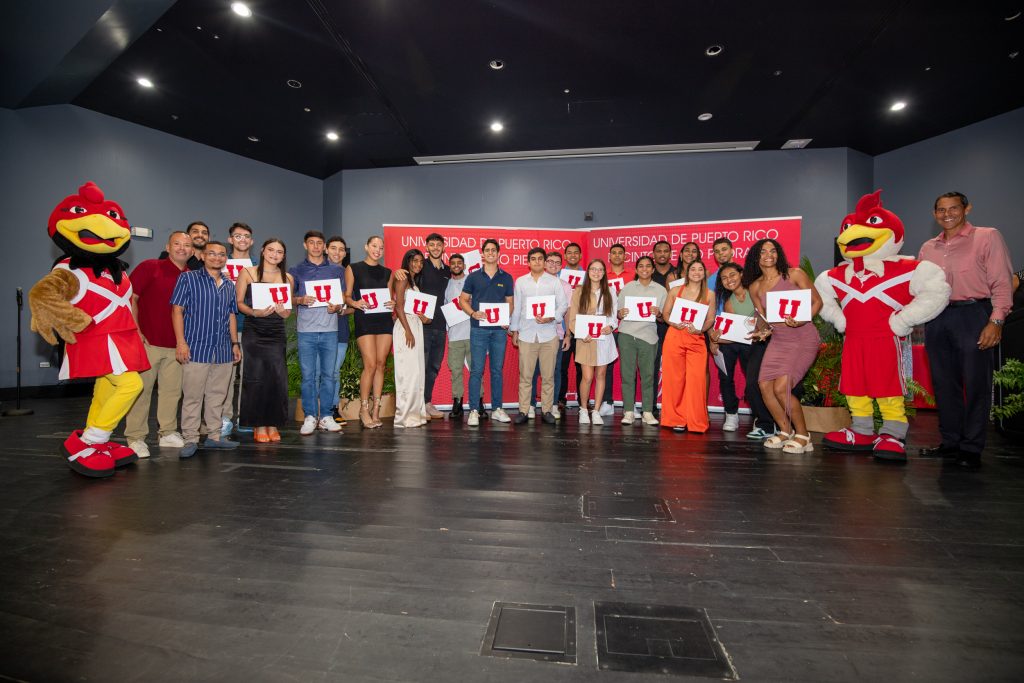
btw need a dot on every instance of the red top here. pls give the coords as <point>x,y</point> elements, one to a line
<point>869,303</point>
<point>977,266</point>
<point>153,281</point>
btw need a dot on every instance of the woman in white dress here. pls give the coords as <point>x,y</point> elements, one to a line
<point>594,352</point>
<point>410,369</point>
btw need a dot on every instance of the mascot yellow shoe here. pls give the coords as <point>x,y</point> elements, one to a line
<point>86,301</point>
<point>877,297</point>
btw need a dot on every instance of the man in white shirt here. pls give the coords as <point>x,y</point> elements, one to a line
<point>534,332</point>
<point>458,334</point>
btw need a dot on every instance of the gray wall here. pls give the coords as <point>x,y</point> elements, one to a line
<point>161,181</point>
<point>985,161</point>
<point>816,184</point>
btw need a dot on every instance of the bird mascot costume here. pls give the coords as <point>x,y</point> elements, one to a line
<point>876,297</point>
<point>86,301</point>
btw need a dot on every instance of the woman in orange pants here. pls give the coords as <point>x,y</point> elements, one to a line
<point>684,357</point>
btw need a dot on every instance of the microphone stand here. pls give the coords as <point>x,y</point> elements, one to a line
<point>18,411</point>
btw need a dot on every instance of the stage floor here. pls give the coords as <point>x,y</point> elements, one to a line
<point>380,555</point>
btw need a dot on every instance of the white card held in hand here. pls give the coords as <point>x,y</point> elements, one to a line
<point>266,294</point>
<point>641,309</point>
<point>589,326</point>
<point>375,299</point>
<point>325,292</point>
<point>495,315</point>
<point>735,328</point>
<point>233,268</point>
<point>616,285</point>
<point>473,260</point>
<point>795,304</point>
<point>676,283</point>
<point>418,303</point>
<point>540,306</point>
<point>573,277</point>
<point>686,311</point>
<point>453,313</point>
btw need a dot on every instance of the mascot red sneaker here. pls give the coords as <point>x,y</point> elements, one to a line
<point>86,301</point>
<point>876,298</point>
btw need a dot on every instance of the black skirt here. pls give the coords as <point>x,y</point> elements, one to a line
<point>264,373</point>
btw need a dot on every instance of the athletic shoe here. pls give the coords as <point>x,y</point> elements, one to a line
<point>759,434</point>
<point>433,413</point>
<point>172,440</point>
<point>555,413</point>
<point>595,418</point>
<point>328,425</point>
<point>548,418</point>
<point>846,439</point>
<point>732,422</point>
<point>607,409</point>
<point>531,413</point>
<point>627,417</point>
<point>584,416</point>
<point>308,426</point>
<point>188,450</point>
<point>649,419</point>
<point>220,444</point>
<point>140,448</point>
<point>520,419</point>
<point>474,419</point>
<point>499,415</point>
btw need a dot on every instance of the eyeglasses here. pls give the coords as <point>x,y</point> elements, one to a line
<point>554,262</point>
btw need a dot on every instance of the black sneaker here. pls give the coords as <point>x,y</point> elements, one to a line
<point>457,407</point>
<point>520,419</point>
<point>548,418</point>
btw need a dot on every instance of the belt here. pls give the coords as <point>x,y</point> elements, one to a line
<point>967,302</point>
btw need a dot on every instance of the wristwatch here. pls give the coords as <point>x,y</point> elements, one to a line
<point>997,323</point>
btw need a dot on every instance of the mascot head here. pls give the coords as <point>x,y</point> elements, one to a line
<point>870,231</point>
<point>92,230</point>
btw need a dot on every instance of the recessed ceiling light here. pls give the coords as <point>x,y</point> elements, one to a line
<point>332,136</point>
<point>1012,16</point>
<point>497,126</point>
<point>1014,54</point>
<point>199,28</point>
<point>898,106</point>
<point>927,68</point>
<point>497,64</point>
<point>159,30</point>
<point>777,72</point>
<point>144,82</point>
<point>306,109</point>
<point>241,9</point>
<point>216,37</point>
<point>566,91</point>
<point>798,143</point>
<point>292,83</point>
<point>174,117</point>
<point>706,116</point>
<point>714,50</point>
<point>253,138</point>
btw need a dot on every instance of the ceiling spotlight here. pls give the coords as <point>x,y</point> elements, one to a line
<point>241,9</point>
<point>1014,54</point>
<point>898,106</point>
<point>497,64</point>
<point>1015,15</point>
<point>332,136</point>
<point>927,68</point>
<point>566,91</point>
<point>144,82</point>
<point>292,83</point>
<point>199,28</point>
<point>253,138</point>
<point>306,109</point>
<point>777,72</point>
<point>706,116</point>
<point>497,126</point>
<point>714,50</point>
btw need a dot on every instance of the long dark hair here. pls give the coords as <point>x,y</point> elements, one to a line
<point>283,265</point>
<point>680,265</point>
<point>407,262</point>
<point>605,292</point>
<point>752,266</point>
<point>721,293</point>
<point>702,293</point>
<point>637,263</point>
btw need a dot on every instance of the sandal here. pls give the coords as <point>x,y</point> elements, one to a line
<point>794,445</point>
<point>260,435</point>
<point>376,412</point>
<point>364,407</point>
<point>777,440</point>
<point>274,434</point>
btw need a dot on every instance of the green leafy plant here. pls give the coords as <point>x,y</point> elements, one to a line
<point>351,368</point>
<point>1011,378</point>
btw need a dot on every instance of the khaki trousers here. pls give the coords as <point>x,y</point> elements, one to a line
<point>203,383</point>
<point>165,373</point>
<point>529,354</point>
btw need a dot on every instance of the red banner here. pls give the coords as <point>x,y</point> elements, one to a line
<point>638,240</point>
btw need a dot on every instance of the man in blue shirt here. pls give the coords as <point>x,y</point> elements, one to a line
<point>203,312</point>
<point>317,328</point>
<point>489,285</point>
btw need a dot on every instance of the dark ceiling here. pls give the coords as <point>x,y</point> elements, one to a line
<point>404,78</point>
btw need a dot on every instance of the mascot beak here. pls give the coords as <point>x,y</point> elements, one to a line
<point>94,233</point>
<point>861,240</point>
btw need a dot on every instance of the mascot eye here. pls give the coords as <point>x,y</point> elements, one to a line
<point>78,209</point>
<point>875,220</point>
<point>846,226</point>
<point>114,214</point>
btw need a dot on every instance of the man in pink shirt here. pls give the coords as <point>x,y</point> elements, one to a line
<point>960,340</point>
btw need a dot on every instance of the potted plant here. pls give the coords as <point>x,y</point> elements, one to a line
<point>1011,378</point>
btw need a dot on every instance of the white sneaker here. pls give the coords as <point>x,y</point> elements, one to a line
<point>649,419</point>
<point>499,415</point>
<point>327,424</point>
<point>172,440</point>
<point>140,448</point>
<point>474,418</point>
<point>308,426</point>
<point>627,418</point>
<point>585,416</point>
<point>607,409</point>
<point>531,413</point>
<point>595,418</point>
<point>732,422</point>
<point>555,414</point>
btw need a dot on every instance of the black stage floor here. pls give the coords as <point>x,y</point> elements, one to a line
<point>380,555</point>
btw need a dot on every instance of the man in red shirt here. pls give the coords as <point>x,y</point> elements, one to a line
<point>153,282</point>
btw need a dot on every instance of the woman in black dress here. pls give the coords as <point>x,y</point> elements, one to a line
<point>373,330</point>
<point>265,380</point>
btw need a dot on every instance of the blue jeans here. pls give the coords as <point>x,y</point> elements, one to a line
<point>317,352</point>
<point>484,341</point>
<point>342,350</point>
<point>534,398</point>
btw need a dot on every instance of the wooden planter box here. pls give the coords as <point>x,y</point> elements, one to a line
<point>826,419</point>
<point>349,408</point>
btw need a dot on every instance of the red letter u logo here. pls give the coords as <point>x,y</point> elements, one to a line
<point>574,280</point>
<point>688,315</point>
<point>323,292</point>
<point>644,308</point>
<point>279,295</point>
<point>370,299</point>
<point>538,310</point>
<point>492,315</point>
<point>723,324</point>
<point>794,304</point>
<point>233,269</point>
<point>419,306</point>
<point>594,329</point>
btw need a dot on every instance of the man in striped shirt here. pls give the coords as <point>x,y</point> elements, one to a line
<point>203,312</point>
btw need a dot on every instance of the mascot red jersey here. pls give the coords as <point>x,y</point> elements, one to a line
<point>86,301</point>
<point>877,297</point>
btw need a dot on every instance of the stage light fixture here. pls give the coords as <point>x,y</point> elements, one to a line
<point>497,127</point>
<point>144,82</point>
<point>241,9</point>
<point>706,116</point>
<point>332,136</point>
<point>898,106</point>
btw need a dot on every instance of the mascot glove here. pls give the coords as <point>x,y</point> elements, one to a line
<point>898,327</point>
<point>839,322</point>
